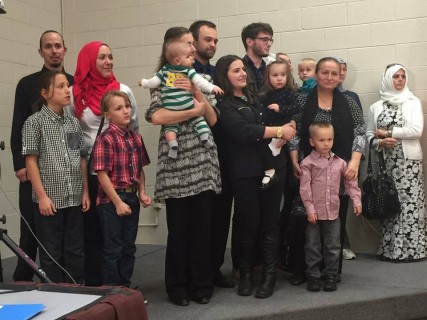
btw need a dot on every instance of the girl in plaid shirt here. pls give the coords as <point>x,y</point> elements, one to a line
<point>118,157</point>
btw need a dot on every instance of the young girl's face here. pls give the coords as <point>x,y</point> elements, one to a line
<point>119,111</point>
<point>278,75</point>
<point>58,94</point>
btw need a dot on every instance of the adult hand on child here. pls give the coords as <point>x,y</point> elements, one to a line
<point>288,132</point>
<point>199,108</point>
<point>184,83</point>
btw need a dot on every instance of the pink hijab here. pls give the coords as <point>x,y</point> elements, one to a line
<point>89,85</point>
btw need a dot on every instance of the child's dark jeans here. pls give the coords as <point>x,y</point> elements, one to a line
<point>119,235</point>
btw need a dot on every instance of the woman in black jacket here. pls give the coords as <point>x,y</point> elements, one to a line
<point>244,133</point>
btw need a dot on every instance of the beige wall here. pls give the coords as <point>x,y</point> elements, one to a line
<point>369,34</point>
<point>20,30</point>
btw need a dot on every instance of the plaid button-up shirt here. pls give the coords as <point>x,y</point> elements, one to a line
<point>122,154</point>
<point>320,185</point>
<point>57,140</point>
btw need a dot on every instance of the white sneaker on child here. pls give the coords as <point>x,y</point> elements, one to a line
<point>347,254</point>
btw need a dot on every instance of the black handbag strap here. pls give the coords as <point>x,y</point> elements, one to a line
<point>101,125</point>
<point>369,171</point>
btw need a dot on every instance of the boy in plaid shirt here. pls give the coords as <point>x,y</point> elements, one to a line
<point>118,157</point>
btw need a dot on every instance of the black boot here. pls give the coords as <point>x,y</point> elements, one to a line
<point>270,246</point>
<point>246,284</point>
<point>266,287</point>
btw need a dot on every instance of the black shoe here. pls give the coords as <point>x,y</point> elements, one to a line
<point>313,285</point>
<point>297,279</point>
<point>272,180</point>
<point>330,284</point>
<point>223,282</point>
<point>266,287</point>
<point>201,300</point>
<point>245,285</point>
<point>182,302</point>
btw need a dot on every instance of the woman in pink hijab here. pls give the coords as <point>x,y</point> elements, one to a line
<point>93,78</point>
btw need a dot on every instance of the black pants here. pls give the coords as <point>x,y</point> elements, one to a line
<point>258,219</point>
<point>62,237</point>
<point>26,241</point>
<point>344,201</point>
<point>297,225</point>
<point>92,238</point>
<point>221,222</point>
<point>188,265</point>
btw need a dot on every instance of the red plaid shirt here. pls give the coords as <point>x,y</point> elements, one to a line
<point>122,154</point>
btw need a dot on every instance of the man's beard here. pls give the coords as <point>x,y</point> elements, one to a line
<point>260,53</point>
<point>56,65</point>
<point>206,54</point>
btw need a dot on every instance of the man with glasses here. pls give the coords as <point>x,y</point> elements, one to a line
<point>257,39</point>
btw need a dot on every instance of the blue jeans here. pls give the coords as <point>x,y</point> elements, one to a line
<point>119,235</point>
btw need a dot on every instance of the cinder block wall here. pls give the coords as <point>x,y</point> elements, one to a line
<point>369,34</point>
<point>20,30</point>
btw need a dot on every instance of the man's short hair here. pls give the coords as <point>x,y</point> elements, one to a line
<point>251,31</point>
<point>196,25</point>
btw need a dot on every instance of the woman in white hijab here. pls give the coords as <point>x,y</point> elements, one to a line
<point>396,121</point>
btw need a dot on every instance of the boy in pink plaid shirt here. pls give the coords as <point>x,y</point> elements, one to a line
<point>322,173</point>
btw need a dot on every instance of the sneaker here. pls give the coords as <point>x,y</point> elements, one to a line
<point>347,254</point>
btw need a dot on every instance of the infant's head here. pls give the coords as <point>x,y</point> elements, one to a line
<point>179,53</point>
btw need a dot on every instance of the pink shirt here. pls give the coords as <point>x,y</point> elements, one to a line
<point>320,185</point>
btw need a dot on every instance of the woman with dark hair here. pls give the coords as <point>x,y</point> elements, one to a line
<point>396,123</point>
<point>326,103</point>
<point>188,185</point>
<point>259,210</point>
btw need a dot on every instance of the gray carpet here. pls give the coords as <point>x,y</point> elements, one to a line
<point>370,289</point>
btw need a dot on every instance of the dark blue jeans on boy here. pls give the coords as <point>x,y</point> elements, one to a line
<point>119,236</point>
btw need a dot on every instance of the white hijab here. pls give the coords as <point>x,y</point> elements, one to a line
<point>388,93</point>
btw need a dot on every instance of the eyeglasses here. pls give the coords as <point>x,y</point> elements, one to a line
<point>266,39</point>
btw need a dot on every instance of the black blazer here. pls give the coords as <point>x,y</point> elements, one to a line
<point>242,129</point>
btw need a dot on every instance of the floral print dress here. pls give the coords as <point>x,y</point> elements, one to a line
<point>403,236</point>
